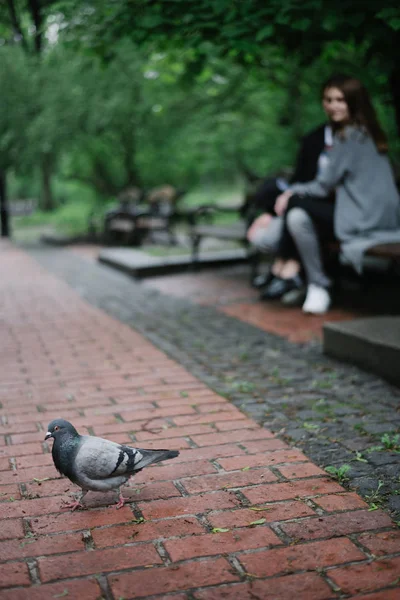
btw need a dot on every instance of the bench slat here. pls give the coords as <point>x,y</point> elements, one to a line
<point>385,251</point>
<point>236,231</point>
<point>381,250</point>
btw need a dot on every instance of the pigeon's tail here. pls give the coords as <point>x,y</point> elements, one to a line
<point>154,456</point>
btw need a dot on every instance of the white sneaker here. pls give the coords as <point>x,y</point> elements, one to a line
<point>317,300</point>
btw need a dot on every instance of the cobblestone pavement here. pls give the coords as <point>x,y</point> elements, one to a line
<point>238,515</point>
<point>340,416</point>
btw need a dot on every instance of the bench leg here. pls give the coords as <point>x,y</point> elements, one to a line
<point>172,240</point>
<point>255,259</point>
<point>196,239</point>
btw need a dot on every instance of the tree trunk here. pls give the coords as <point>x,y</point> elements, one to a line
<point>37,18</point>
<point>47,201</point>
<point>16,24</point>
<point>4,215</point>
<point>395,89</point>
<point>292,110</point>
<point>128,146</point>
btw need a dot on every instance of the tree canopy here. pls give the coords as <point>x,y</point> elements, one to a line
<point>239,28</point>
<point>141,92</point>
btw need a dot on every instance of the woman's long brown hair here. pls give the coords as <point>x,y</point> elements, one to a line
<point>362,112</point>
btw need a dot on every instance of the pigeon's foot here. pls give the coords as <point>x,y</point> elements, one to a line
<point>73,506</point>
<point>121,501</point>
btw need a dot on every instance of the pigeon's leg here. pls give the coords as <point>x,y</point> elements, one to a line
<point>78,503</point>
<point>121,499</point>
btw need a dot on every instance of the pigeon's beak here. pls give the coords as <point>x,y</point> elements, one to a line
<point>48,435</point>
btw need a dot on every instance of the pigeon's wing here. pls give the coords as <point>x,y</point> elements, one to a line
<point>101,459</point>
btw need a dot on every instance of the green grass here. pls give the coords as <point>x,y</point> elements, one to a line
<point>222,194</point>
<point>71,218</point>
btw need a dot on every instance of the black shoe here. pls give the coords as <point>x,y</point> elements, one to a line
<point>263,280</point>
<point>278,287</point>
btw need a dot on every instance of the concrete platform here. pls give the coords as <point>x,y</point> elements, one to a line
<point>141,264</point>
<point>372,343</point>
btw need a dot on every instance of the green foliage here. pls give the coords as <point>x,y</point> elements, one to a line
<point>391,442</point>
<point>388,442</point>
<point>340,473</point>
<point>68,219</point>
<point>190,92</point>
<point>359,457</point>
<point>244,387</point>
<point>239,29</point>
<point>375,499</point>
<point>134,122</point>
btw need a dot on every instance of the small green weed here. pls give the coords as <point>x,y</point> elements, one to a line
<point>388,442</point>
<point>310,426</point>
<point>340,473</point>
<point>391,442</point>
<point>322,406</point>
<point>359,427</point>
<point>360,457</point>
<point>245,387</point>
<point>326,383</point>
<point>375,499</point>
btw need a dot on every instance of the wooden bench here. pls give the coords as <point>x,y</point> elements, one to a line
<point>237,232</point>
<point>232,232</point>
<point>391,251</point>
<point>388,251</point>
<point>130,223</point>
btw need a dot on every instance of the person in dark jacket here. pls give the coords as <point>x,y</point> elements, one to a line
<point>311,147</point>
<point>265,231</point>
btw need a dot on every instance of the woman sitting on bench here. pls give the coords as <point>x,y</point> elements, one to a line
<point>265,231</point>
<point>366,211</point>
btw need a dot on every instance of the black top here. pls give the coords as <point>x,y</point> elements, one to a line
<point>307,158</point>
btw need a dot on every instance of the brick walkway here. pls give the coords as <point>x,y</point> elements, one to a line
<point>239,515</point>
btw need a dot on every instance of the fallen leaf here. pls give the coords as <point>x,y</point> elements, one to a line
<point>22,544</point>
<point>259,522</point>
<point>139,520</point>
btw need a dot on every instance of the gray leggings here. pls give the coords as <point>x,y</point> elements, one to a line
<point>302,230</point>
<point>267,239</point>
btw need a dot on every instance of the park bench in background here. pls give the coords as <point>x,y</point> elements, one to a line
<point>142,215</point>
<point>204,220</point>
<point>23,207</point>
<point>203,225</point>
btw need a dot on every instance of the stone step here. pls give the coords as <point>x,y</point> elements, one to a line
<point>372,343</point>
<point>141,264</point>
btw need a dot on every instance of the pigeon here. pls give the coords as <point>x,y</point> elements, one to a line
<point>97,464</point>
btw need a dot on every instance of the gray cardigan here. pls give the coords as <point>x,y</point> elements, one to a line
<point>367,208</point>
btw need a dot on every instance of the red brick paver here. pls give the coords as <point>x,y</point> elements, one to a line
<point>238,515</point>
<point>232,294</point>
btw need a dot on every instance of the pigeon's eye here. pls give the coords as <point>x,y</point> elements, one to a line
<point>56,428</point>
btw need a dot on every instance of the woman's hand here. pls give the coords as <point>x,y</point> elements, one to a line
<point>282,202</point>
